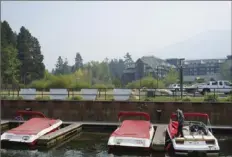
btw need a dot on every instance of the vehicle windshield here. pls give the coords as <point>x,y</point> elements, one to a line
<point>227,83</point>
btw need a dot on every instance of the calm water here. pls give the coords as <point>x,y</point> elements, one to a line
<point>94,145</point>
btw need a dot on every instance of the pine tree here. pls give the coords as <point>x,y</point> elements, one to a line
<point>128,61</point>
<point>78,62</point>
<point>59,66</point>
<point>9,61</point>
<point>30,55</point>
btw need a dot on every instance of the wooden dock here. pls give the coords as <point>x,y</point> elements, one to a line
<point>3,122</point>
<point>158,141</point>
<point>4,126</point>
<point>111,123</point>
<point>60,135</point>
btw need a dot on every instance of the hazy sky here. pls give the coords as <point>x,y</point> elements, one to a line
<point>110,29</point>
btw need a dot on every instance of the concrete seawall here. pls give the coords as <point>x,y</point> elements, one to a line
<point>220,113</point>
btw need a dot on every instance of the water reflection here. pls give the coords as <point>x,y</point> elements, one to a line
<point>95,145</point>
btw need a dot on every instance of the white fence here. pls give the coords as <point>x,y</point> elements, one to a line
<point>122,94</point>
<point>89,94</point>
<point>28,93</point>
<point>58,94</point>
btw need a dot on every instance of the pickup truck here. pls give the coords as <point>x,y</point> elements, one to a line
<point>174,87</point>
<point>220,86</point>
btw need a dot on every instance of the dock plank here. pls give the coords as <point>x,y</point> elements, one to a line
<point>159,138</point>
<point>60,131</point>
<point>113,123</point>
<point>4,122</point>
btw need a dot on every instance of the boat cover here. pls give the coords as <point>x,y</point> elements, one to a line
<point>33,126</point>
<point>132,128</point>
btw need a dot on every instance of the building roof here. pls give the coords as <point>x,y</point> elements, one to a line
<point>153,62</point>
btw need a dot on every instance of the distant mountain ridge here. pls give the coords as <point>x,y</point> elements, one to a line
<point>206,45</point>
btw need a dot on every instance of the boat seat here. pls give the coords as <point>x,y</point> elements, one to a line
<point>175,125</point>
<point>174,129</point>
<point>186,130</point>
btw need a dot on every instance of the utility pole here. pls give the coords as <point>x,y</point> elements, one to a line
<point>181,76</point>
<point>157,74</point>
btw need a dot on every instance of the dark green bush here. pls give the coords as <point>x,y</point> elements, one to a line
<point>110,86</point>
<point>211,97</point>
<point>148,99</point>
<point>42,98</point>
<point>80,85</point>
<point>99,86</point>
<point>39,84</point>
<point>229,98</point>
<point>77,98</point>
<point>186,99</point>
<point>22,85</point>
<point>7,97</point>
<point>148,82</point>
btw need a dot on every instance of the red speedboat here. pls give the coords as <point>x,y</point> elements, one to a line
<point>32,129</point>
<point>132,133</point>
<point>197,137</point>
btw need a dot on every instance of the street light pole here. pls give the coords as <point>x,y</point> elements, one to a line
<point>157,74</point>
<point>181,76</point>
<point>24,78</point>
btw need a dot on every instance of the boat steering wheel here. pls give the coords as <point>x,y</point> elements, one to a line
<point>18,118</point>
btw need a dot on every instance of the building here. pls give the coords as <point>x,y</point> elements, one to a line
<point>146,66</point>
<point>207,69</point>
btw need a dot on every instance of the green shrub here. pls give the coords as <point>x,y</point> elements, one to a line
<point>21,85</point>
<point>229,98</point>
<point>110,86</point>
<point>42,98</point>
<point>59,82</point>
<point>211,97</point>
<point>164,92</point>
<point>39,84</point>
<point>4,97</point>
<point>99,86</point>
<point>7,97</point>
<point>77,98</point>
<point>148,99</point>
<point>176,99</point>
<point>133,84</point>
<point>186,99</point>
<point>80,85</point>
<point>148,82</point>
<point>18,98</point>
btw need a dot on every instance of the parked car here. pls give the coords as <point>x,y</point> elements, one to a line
<point>174,87</point>
<point>220,86</point>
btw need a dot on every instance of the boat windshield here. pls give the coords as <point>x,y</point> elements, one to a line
<point>194,128</point>
<point>134,115</point>
<point>25,114</point>
<point>193,117</point>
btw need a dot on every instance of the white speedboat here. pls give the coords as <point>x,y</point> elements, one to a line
<point>132,133</point>
<point>32,129</point>
<point>197,137</point>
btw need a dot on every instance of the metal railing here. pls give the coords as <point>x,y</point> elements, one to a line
<point>136,94</point>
